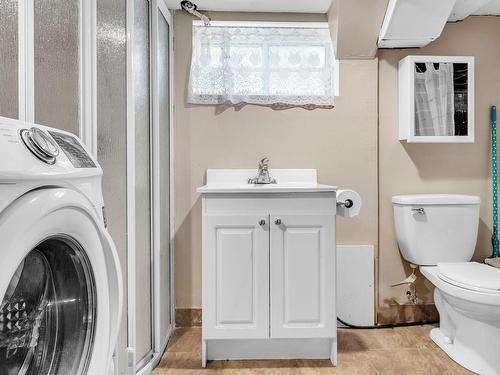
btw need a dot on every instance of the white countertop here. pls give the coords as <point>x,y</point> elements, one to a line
<point>288,181</point>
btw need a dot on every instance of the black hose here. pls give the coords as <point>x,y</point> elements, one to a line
<point>394,325</point>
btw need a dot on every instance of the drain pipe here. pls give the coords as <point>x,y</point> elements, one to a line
<point>191,8</point>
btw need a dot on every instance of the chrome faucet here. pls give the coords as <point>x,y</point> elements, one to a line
<point>263,176</point>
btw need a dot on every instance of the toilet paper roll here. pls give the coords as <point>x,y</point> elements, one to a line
<point>348,203</point>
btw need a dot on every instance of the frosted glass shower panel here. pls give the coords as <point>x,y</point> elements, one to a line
<point>57,63</point>
<point>112,137</point>
<point>143,243</point>
<point>9,58</point>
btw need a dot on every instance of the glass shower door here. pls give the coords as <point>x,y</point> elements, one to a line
<point>163,151</point>
<point>143,186</point>
<point>152,148</point>
<point>112,138</point>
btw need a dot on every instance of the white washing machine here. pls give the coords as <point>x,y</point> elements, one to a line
<point>60,279</point>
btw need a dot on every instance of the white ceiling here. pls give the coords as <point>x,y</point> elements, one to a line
<point>465,8</point>
<point>292,6</point>
<point>491,8</point>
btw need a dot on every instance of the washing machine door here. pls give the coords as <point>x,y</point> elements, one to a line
<point>60,287</point>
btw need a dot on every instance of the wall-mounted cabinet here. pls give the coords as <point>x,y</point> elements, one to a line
<point>436,99</point>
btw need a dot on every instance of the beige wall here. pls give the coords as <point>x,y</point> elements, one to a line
<point>344,144</point>
<point>355,25</point>
<point>436,168</point>
<point>341,143</point>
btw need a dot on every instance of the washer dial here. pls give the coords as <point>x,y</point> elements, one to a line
<point>40,144</point>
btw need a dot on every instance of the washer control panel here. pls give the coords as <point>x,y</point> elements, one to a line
<point>73,150</point>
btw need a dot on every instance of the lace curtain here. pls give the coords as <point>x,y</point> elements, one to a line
<point>434,101</point>
<point>264,64</point>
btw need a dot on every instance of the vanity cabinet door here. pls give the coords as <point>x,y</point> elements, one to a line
<point>236,277</point>
<point>303,276</point>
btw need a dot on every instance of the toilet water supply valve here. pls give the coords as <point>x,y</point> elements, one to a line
<point>411,293</point>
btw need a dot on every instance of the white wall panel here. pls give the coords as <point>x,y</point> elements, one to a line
<point>356,284</point>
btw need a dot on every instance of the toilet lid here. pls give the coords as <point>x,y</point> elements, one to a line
<point>471,275</point>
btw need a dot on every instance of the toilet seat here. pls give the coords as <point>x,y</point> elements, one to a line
<point>471,275</point>
<point>460,289</point>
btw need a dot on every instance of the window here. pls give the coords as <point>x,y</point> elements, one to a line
<point>266,63</point>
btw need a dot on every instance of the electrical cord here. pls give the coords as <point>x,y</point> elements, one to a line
<point>394,325</point>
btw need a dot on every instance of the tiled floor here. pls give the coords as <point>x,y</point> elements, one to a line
<point>397,351</point>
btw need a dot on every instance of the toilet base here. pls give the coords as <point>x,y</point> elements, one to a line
<point>453,351</point>
<point>464,336</point>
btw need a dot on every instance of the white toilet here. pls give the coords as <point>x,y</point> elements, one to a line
<point>438,232</point>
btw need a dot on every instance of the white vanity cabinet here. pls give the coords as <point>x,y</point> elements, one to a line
<point>268,268</point>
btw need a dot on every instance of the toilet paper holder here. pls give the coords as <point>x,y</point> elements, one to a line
<point>348,203</point>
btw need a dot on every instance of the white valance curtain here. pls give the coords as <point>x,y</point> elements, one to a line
<point>265,63</point>
<point>434,101</point>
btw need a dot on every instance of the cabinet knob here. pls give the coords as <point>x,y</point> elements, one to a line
<point>277,221</point>
<point>262,222</point>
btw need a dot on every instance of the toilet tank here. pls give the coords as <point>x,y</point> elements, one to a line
<point>432,228</point>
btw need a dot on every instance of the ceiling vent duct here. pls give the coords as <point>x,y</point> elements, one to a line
<point>411,23</point>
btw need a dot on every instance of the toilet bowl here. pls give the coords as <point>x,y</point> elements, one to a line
<point>438,232</point>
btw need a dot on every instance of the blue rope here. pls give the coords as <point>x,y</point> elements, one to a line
<point>494,238</point>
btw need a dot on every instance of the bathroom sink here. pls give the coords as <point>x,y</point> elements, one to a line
<point>288,181</point>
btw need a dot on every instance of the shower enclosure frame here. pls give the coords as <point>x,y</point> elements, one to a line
<point>159,344</point>
<point>88,133</point>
